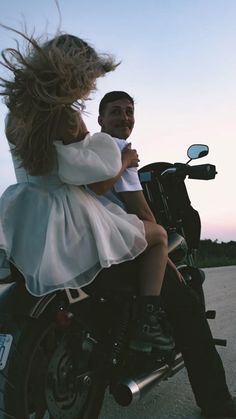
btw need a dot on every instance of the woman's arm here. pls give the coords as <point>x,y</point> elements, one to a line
<point>129,158</point>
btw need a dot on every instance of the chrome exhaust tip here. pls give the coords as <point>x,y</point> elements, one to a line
<point>130,390</point>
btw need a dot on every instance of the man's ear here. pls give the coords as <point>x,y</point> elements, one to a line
<point>100,120</point>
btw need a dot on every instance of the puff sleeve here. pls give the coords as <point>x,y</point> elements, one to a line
<point>94,159</point>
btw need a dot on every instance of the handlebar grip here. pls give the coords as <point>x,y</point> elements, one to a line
<point>202,171</point>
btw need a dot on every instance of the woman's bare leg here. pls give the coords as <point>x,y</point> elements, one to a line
<point>154,259</point>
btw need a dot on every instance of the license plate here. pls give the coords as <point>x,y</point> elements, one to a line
<point>5,346</point>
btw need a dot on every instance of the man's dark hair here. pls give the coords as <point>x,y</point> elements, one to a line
<point>111,97</point>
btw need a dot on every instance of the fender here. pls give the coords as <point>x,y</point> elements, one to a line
<point>177,247</point>
<point>16,300</point>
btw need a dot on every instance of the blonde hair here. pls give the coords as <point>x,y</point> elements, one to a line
<point>48,79</point>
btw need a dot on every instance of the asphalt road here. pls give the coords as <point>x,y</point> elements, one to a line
<point>173,399</point>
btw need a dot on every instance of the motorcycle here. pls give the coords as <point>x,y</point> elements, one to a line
<point>60,352</point>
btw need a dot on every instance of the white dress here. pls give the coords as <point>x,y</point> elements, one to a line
<point>57,233</point>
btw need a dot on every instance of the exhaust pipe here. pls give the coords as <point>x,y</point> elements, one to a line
<point>130,390</point>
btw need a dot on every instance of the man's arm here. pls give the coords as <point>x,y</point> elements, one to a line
<point>135,203</point>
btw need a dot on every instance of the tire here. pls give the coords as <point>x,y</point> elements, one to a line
<point>50,371</point>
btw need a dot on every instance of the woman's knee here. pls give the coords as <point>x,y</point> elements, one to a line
<point>156,234</point>
<point>162,234</point>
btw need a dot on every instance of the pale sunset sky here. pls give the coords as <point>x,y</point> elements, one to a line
<point>178,62</point>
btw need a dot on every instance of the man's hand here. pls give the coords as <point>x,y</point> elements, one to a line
<point>178,274</point>
<point>129,157</point>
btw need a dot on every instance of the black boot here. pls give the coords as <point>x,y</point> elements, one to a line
<point>149,326</point>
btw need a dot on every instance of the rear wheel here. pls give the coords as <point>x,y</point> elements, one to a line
<point>51,372</point>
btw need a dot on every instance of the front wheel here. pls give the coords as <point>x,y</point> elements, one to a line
<point>51,372</point>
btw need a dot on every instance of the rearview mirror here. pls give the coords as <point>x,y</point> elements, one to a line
<point>196,151</point>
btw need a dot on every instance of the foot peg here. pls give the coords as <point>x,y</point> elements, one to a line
<point>210,314</point>
<point>220,342</point>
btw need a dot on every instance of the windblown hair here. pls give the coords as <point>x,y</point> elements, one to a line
<point>112,97</point>
<point>49,79</point>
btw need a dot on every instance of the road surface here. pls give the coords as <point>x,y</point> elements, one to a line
<point>173,399</point>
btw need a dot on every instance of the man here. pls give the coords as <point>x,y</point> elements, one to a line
<point>191,329</point>
<point>116,117</point>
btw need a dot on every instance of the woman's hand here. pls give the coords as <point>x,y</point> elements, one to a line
<point>129,157</point>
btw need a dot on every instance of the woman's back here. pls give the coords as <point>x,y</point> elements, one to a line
<point>48,182</point>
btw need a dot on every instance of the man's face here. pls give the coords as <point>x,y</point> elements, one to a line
<point>118,119</point>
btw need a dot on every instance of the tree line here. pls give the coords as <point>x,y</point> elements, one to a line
<point>212,253</point>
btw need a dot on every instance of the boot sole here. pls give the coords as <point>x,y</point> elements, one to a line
<point>141,347</point>
<point>147,347</point>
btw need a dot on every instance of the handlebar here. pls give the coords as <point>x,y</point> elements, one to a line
<point>200,171</point>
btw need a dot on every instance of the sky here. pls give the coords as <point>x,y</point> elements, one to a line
<point>178,61</point>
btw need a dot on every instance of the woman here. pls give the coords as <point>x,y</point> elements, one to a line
<point>55,232</point>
